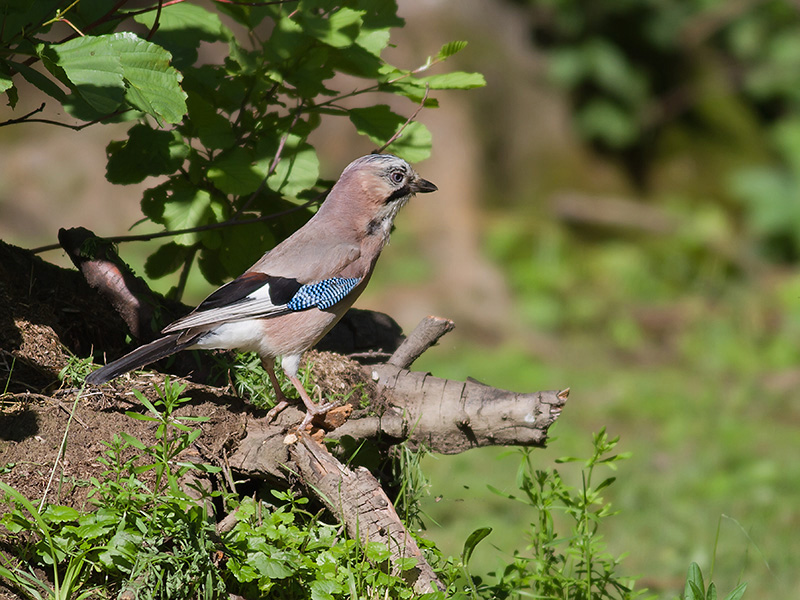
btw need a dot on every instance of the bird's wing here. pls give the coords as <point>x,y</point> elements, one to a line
<point>257,295</point>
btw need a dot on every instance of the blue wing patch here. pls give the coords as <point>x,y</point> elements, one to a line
<point>322,294</point>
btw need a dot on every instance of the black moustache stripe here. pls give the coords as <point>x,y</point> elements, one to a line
<point>399,193</point>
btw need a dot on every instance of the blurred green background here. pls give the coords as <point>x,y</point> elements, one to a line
<point>619,213</point>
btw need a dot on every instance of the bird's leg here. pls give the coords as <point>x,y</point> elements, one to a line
<point>280,399</point>
<point>312,409</point>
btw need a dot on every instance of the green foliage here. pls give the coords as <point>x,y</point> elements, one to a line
<point>228,135</point>
<point>147,537</point>
<point>75,371</point>
<point>696,590</point>
<point>572,564</point>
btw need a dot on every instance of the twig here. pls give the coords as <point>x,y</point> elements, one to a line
<point>407,123</point>
<point>425,335</point>
<point>76,417</point>
<point>187,266</point>
<point>146,237</point>
<point>154,28</point>
<point>23,117</point>
<point>61,449</point>
<point>274,164</point>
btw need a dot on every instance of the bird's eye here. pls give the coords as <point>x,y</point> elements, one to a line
<point>397,177</point>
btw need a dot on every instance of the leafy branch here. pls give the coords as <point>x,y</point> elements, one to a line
<point>229,141</point>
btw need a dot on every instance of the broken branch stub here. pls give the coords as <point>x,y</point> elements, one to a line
<point>449,416</point>
<point>424,335</point>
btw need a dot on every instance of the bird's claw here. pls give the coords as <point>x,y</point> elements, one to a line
<point>316,410</point>
<point>276,410</point>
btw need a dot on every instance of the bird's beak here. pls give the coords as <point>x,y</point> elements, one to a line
<point>422,186</point>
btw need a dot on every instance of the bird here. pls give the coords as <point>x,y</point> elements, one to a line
<point>297,291</point>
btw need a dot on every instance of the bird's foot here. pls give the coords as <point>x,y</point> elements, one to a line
<point>276,410</point>
<point>316,410</point>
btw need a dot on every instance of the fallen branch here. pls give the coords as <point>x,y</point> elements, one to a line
<point>356,498</point>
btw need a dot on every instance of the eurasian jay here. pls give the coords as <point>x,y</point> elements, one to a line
<point>288,300</point>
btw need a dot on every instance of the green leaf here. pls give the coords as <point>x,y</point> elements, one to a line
<point>377,552</point>
<point>7,85</point>
<point>324,589</point>
<point>108,69</point>
<point>297,171</point>
<point>244,244</point>
<point>181,28</point>
<point>93,66</point>
<point>59,514</point>
<point>214,130</point>
<point>711,593</point>
<point>339,30</point>
<point>379,123</point>
<point>167,259</point>
<point>737,592</point>
<point>182,206</point>
<point>152,84</point>
<point>234,172</point>
<point>373,41</point>
<point>147,152</point>
<point>694,584</point>
<point>120,552</point>
<point>457,80</point>
<point>129,439</point>
<point>451,48</point>
<point>472,542</point>
<point>5,78</point>
<point>270,567</point>
<point>406,563</point>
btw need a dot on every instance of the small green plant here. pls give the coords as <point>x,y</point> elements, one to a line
<point>168,444</point>
<point>52,548</point>
<point>559,564</point>
<point>75,371</point>
<point>695,587</point>
<point>145,534</point>
<point>148,538</point>
<point>287,551</point>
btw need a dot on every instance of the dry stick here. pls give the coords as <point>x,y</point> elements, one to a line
<point>25,116</point>
<point>425,335</point>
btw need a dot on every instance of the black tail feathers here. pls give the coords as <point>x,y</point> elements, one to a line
<point>144,355</point>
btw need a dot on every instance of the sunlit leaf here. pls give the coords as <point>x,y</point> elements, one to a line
<point>451,48</point>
